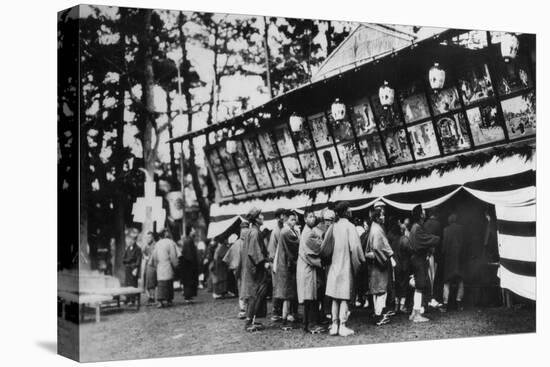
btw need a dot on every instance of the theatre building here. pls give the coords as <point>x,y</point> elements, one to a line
<point>408,115</point>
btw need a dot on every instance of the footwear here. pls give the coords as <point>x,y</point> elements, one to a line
<point>242,314</point>
<point>231,295</point>
<point>333,329</point>
<point>318,329</point>
<point>443,309</point>
<point>382,320</point>
<point>358,304</point>
<point>345,331</point>
<point>434,304</point>
<point>217,296</point>
<point>291,318</point>
<point>253,328</point>
<point>390,313</point>
<point>417,317</point>
<point>459,306</point>
<point>286,327</point>
<point>403,309</point>
<point>276,318</point>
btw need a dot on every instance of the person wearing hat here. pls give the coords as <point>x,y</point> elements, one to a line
<point>234,261</point>
<point>256,266</point>
<point>379,259</point>
<point>342,247</point>
<point>422,243</point>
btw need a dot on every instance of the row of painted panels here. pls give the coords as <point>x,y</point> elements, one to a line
<point>461,117</point>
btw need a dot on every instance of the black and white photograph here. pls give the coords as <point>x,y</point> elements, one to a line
<point>233,183</point>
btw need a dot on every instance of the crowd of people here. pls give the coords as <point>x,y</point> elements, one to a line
<point>333,265</point>
<point>329,267</point>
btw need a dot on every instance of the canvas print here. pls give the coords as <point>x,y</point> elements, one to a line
<point>423,140</point>
<point>485,124</point>
<point>241,183</point>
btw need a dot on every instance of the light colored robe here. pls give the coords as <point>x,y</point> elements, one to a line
<point>343,247</point>
<point>309,263</point>
<point>379,275</point>
<point>165,259</point>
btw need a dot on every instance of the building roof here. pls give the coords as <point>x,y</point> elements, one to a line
<point>366,44</point>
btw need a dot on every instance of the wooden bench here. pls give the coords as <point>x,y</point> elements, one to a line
<point>92,289</point>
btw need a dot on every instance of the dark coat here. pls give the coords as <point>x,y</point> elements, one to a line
<point>452,251</point>
<point>188,268</point>
<point>132,260</point>
<point>285,265</point>
<point>220,270</point>
<point>421,243</point>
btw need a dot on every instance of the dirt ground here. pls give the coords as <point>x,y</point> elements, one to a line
<point>211,326</point>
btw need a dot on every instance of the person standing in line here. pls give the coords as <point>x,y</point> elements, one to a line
<point>379,256</point>
<point>342,245</point>
<point>256,276</point>
<point>150,274</point>
<point>421,243</point>
<point>234,261</point>
<point>220,270</point>
<point>309,273</point>
<point>165,260</point>
<point>432,226</point>
<point>328,218</point>
<point>131,261</point>
<point>282,216</point>
<point>452,251</point>
<point>188,266</point>
<point>402,256</point>
<point>284,268</point>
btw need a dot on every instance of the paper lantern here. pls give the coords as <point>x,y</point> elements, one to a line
<point>509,45</point>
<point>231,146</point>
<point>386,95</point>
<point>437,77</point>
<point>338,110</point>
<point>296,122</point>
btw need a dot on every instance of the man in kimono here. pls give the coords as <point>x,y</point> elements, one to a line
<point>309,273</point>
<point>342,246</point>
<point>379,259</point>
<point>234,261</point>
<point>284,268</point>
<point>220,271</point>
<point>131,261</point>
<point>189,266</point>
<point>165,260</point>
<point>432,226</point>
<point>452,251</point>
<point>422,244</point>
<point>282,216</point>
<point>256,276</point>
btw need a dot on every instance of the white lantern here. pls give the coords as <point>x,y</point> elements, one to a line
<point>231,146</point>
<point>437,77</point>
<point>296,122</point>
<point>338,110</point>
<point>509,44</point>
<point>386,95</point>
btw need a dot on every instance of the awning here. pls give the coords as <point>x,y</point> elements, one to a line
<point>507,183</point>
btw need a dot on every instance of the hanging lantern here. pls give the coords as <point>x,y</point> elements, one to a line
<point>437,77</point>
<point>296,122</point>
<point>386,95</point>
<point>509,45</point>
<point>338,110</point>
<point>231,146</point>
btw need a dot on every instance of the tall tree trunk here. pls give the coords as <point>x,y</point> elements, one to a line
<point>267,64</point>
<point>186,90</point>
<point>149,150</point>
<point>173,167</point>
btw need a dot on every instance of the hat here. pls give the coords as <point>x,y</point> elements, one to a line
<point>253,214</point>
<point>329,214</point>
<point>232,238</point>
<point>379,204</point>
